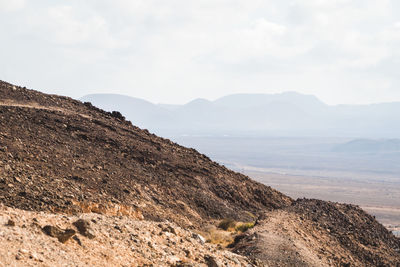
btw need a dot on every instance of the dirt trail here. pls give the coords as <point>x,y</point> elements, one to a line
<point>33,105</point>
<point>282,234</point>
<point>280,241</point>
<point>319,233</point>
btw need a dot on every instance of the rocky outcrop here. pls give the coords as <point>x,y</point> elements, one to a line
<point>84,228</point>
<point>62,235</point>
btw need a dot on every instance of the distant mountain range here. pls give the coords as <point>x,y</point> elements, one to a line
<point>285,114</point>
<point>369,146</point>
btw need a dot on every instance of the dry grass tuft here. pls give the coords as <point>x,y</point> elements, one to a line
<point>225,232</point>
<point>227,224</point>
<point>243,227</point>
<point>217,236</point>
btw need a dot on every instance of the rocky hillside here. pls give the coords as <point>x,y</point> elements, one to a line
<point>320,233</point>
<point>31,239</point>
<point>141,198</point>
<point>58,154</point>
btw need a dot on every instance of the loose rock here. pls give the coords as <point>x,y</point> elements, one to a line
<point>211,261</point>
<point>10,223</point>
<point>84,228</point>
<point>62,235</point>
<point>199,238</point>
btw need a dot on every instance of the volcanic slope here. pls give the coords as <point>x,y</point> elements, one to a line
<point>59,154</point>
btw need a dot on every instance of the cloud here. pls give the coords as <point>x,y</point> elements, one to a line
<point>9,6</point>
<point>173,51</point>
<point>67,25</point>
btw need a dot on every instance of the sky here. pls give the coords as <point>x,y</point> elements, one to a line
<point>342,51</point>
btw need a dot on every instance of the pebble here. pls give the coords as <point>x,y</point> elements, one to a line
<point>10,223</point>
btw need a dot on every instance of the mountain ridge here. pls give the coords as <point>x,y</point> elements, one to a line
<point>285,114</point>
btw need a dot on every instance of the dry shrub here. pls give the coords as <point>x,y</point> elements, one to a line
<point>217,236</point>
<point>251,215</point>
<point>227,224</point>
<point>243,227</point>
<point>225,232</point>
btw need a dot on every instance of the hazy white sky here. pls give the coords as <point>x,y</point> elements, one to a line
<point>342,51</point>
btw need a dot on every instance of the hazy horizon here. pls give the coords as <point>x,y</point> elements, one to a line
<point>343,52</point>
<point>215,99</point>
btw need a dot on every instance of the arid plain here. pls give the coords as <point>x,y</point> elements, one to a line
<point>311,168</point>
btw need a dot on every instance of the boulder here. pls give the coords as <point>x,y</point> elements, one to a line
<point>62,235</point>
<point>84,228</point>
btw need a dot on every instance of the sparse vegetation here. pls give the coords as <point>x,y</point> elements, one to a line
<point>243,227</point>
<point>215,235</point>
<point>219,237</point>
<point>233,226</point>
<point>227,224</point>
<point>251,215</point>
<point>225,232</point>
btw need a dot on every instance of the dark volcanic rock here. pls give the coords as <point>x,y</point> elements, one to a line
<point>10,223</point>
<point>211,261</point>
<point>62,235</point>
<point>353,228</point>
<point>84,228</point>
